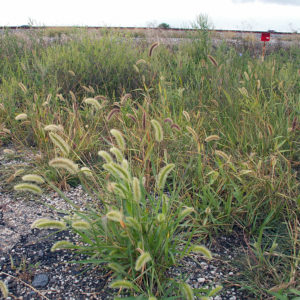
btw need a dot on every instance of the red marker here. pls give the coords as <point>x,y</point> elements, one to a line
<point>265,37</point>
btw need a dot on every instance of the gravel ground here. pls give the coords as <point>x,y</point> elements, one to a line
<point>31,271</point>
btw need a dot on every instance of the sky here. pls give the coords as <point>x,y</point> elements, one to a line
<point>257,15</point>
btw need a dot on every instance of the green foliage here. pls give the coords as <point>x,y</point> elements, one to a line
<point>230,124</point>
<point>164,26</point>
<point>138,235</point>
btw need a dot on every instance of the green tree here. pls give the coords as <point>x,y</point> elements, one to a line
<point>164,26</point>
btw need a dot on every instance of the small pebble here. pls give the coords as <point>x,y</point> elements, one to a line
<point>40,280</point>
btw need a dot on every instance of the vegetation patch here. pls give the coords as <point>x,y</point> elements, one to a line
<point>177,145</point>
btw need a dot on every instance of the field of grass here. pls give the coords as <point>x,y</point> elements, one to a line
<point>204,141</point>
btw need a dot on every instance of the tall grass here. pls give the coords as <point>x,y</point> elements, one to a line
<point>230,123</point>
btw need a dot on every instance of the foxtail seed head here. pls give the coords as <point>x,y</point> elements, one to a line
<point>162,176</point>
<point>61,245</point>
<point>116,267</point>
<point>119,138</point>
<point>125,98</point>
<point>152,47</point>
<point>3,289</point>
<point>136,190</point>
<point>117,171</point>
<point>86,172</point>
<point>132,117</point>
<point>159,135</point>
<point>187,291</point>
<point>21,117</point>
<point>93,102</point>
<point>54,128</point>
<point>213,60</point>
<point>161,218</point>
<point>33,178</point>
<point>81,225</point>
<point>23,87</point>
<point>168,120</point>
<point>117,153</point>
<point>28,187</point>
<point>112,113</point>
<point>192,132</point>
<point>106,156</point>
<point>60,143</point>
<point>142,260</point>
<point>203,250</point>
<point>186,115</point>
<point>64,163</point>
<point>184,213</point>
<point>222,154</point>
<point>124,284</point>
<point>48,223</point>
<point>212,138</point>
<point>175,126</point>
<point>19,172</point>
<point>115,215</point>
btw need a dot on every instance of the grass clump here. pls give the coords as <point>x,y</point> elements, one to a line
<point>136,234</point>
<point>229,122</point>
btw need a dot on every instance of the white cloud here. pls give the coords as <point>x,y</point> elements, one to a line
<point>280,2</point>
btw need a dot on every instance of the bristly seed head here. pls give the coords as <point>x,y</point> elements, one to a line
<point>137,194</point>
<point>132,117</point>
<point>187,291</point>
<point>61,245</point>
<point>142,260</point>
<point>168,120</point>
<point>124,284</point>
<point>64,163</point>
<point>115,215</point>
<point>48,223</point>
<point>54,128</point>
<point>3,289</point>
<point>176,126</point>
<point>33,178</point>
<point>21,117</point>
<point>152,47</point>
<point>93,102</point>
<point>212,138</point>
<point>159,135</point>
<point>81,225</point>
<point>222,154</point>
<point>86,172</point>
<point>162,176</point>
<point>23,87</point>
<point>203,250</point>
<point>213,60</point>
<point>119,138</point>
<point>28,187</point>
<point>60,143</point>
<point>186,115</point>
<point>112,113</point>
<point>106,156</point>
<point>117,153</point>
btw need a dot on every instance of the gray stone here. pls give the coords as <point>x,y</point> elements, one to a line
<point>40,280</point>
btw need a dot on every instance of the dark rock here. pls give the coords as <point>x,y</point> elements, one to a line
<point>40,280</point>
